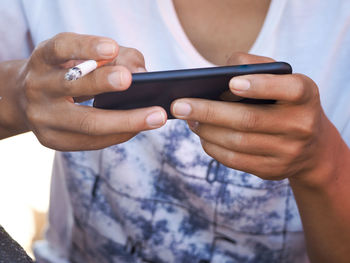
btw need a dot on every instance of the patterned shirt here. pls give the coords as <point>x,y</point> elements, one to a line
<point>159,197</point>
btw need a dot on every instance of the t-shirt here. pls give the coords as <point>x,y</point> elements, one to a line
<point>159,197</point>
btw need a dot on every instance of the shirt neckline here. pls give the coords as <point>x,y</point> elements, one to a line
<point>169,15</point>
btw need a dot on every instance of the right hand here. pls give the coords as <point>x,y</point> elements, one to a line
<point>46,99</point>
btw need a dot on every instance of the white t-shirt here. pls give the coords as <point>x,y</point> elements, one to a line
<point>159,197</point>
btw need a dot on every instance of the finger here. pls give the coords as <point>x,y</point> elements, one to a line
<point>240,58</point>
<point>236,116</point>
<point>132,59</point>
<point>92,121</point>
<point>70,141</point>
<point>104,79</point>
<point>70,46</point>
<point>264,167</point>
<point>294,88</point>
<point>249,143</point>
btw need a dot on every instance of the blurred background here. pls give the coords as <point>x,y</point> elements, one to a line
<point>24,188</point>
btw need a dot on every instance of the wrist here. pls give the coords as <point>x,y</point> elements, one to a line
<point>332,168</point>
<point>12,120</point>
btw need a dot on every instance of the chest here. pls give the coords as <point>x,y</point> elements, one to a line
<point>218,29</point>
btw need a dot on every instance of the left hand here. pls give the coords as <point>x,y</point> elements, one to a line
<point>288,139</point>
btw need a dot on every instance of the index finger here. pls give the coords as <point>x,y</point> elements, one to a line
<point>70,46</point>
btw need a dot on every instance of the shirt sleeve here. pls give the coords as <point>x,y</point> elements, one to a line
<point>15,40</point>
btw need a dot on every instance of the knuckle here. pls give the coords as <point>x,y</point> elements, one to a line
<point>249,120</point>
<point>58,43</point>
<point>46,138</point>
<point>299,89</point>
<point>30,85</point>
<point>230,160</point>
<point>209,113</point>
<point>130,124</point>
<point>206,147</point>
<point>42,45</point>
<point>284,170</point>
<point>304,127</point>
<point>134,54</point>
<point>131,58</point>
<point>238,139</point>
<point>276,171</point>
<point>34,117</point>
<point>293,151</point>
<point>88,124</point>
<point>56,47</point>
<point>315,94</point>
<point>37,55</point>
<point>304,89</point>
<point>293,159</point>
<point>308,127</point>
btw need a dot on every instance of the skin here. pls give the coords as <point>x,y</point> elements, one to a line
<point>35,96</point>
<point>219,28</point>
<point>291,139</point>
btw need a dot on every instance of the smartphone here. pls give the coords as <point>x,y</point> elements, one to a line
<point>161,88</point>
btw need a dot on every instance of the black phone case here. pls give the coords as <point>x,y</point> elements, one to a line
<point>161,88</point>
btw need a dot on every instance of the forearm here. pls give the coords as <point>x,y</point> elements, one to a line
<point>325,209</point>
<point>11,118</point>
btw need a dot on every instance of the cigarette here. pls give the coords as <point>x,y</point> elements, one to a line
<point>83,69</point>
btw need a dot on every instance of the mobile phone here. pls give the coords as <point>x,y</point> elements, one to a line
<point>161,88</point>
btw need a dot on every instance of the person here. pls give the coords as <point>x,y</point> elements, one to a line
<point>239,183</point>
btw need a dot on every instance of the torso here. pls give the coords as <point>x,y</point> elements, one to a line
<point>219,28</point>
<point>159,196</point>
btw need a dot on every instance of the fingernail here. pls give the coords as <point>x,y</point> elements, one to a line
<point>141,70</point>
<point>182,109</point>
<point>155,119</point>
<point>239,84</point>
<point>115,79</point>
<point>106,49</point>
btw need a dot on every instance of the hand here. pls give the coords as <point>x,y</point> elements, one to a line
<point>46,98</point>
<point>288,139</point>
